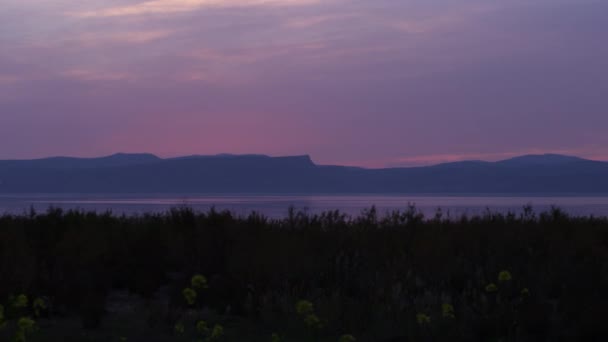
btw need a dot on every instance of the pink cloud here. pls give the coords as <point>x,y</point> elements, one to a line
<point>94,75</point>
<point>179,6</point>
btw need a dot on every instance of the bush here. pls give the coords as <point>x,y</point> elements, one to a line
<point>518,278</point>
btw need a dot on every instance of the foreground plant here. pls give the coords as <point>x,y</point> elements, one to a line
<point>25,327</point>
<point>504,276</point>
<point>20,302</point>
<point>306,311</point>
<point>2,322</point>
<point>447,311</point>
<point>423,319</point>
<point>217,333</point>
<point>209,335</point>
<point>347,338</point>
<point>202,328</point>
<point>189,295</point>
<point>179,328</point>
<point>304,307</point>
<point>199,282</point>
<point>39,305</point>
<point>491,288</point>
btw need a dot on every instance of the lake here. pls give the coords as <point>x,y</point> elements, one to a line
<point>277,206</point>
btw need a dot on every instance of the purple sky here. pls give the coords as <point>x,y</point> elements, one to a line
<point>357,82</point>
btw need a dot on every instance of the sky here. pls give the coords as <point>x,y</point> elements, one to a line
<point>373,83</point>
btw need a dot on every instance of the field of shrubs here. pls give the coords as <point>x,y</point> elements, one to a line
<point>214,276</point>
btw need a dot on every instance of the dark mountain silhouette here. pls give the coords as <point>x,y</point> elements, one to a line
<point>119,159</point>
<point>146,173</point>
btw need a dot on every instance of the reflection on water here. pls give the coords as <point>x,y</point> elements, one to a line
<point>277,206</point>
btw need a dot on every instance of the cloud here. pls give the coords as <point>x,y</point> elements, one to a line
<point>7,79</point>
<point>433,159</point>
<point>302,22</point>
<point>129,37</point>
<point>94,75</point>
<point>177,6</point>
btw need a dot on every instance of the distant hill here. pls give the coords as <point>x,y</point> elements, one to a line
<point>541,159</point>
<point>119,159</point>
<point>146,173</point>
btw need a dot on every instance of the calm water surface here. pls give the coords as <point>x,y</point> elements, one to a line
<point>277,206</point>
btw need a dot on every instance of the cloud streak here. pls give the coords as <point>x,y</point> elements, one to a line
<point>178,6</point>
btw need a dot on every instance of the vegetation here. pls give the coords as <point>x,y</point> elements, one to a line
<point>186,276</point>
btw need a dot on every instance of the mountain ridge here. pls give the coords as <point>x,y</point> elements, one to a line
<point>147,173</point>
<point>547,158</point>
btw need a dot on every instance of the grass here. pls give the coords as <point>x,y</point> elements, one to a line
<point>397,277</point>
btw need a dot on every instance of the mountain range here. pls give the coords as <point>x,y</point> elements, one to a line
<point>242,174</point>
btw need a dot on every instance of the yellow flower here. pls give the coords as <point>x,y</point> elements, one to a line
<point>26,323</point>
<point>199,282</point>
<point>179,328</point>
<point>491,287</point>
<point>347,338</point>
<point>202,328</point>
<point>447,310</point>
<point>304,307</point>
<point>423,319</point>
<point>312,321</point>
<point>217,332</point>
<point>189,295</point>
<point>504,276</point>
<point>19,336</point>
<point>21,301</point>
<point>25,326</point>
<point>39,305</point>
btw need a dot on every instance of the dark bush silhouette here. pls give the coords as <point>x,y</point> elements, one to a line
<point>394,277</point>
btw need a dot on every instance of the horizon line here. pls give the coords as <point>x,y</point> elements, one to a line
<point>403,162</point>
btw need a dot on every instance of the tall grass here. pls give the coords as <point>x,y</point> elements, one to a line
<point>399,277</point>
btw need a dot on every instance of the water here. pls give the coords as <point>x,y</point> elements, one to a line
<point>277,206</point>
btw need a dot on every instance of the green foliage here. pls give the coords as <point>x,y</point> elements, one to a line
<point>199,282</point>
<point>491,288</point>
<point>210,335</point>
<point>2,318</point>
<point>189,295</point>
<point>504,276</point>
<point>39,305</point>
<point>217,333</point>
<point>25,327</point>
<point>306,311</point>
<point>312,321</point>
<point>179,328</point>
<point>368,275</point>
<point>304,307</point>
<point>20,302</point>
<point>423,319</point>
<point>347,338</point>
<point>447,311</point>
<point>202,328</point>
<point>26,324</point>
